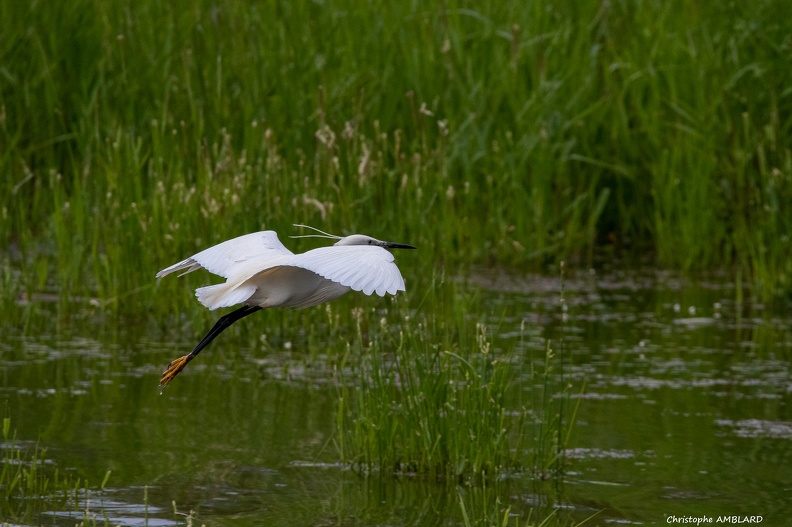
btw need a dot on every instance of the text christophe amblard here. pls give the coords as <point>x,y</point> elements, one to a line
<point>699,520</point>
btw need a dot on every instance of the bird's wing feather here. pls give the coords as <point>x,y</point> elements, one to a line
<point>226,258</point>
<point>220,295</point>
<point>362,268</point>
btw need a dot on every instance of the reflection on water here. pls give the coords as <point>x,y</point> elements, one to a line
<point>757,428</point>
<point>684,410</point>
<point>127,506</point>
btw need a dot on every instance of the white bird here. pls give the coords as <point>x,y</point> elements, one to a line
<point>261,272</point>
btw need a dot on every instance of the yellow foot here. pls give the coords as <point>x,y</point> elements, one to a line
<point>176,366</point>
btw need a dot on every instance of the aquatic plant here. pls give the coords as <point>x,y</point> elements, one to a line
<point>506,134</point>
<point>28,485</point>
<point>477,510</point>
<point>31,483</point>
<point>436,399</point>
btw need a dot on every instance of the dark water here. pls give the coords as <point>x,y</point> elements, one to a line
<point>685,412</point>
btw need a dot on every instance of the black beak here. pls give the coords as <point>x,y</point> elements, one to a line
<point>393,245</point>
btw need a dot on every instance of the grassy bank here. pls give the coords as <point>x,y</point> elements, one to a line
<point>133,134</point>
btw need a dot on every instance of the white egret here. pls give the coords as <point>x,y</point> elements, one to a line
<point>261,272</point>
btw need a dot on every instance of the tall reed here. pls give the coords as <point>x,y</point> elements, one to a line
<point>135,133</point>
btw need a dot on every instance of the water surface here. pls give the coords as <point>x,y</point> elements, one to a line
<point>684,411</point>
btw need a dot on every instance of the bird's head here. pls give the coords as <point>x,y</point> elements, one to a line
<point>362,239</point>
<point>353,239</point>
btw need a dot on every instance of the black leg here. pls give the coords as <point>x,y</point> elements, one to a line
<point>220,326</point>
<point>178,365</point>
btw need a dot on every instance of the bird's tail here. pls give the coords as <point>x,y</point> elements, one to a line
<point>224,295</point>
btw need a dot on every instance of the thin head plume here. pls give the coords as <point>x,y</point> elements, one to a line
<point>322,235</point>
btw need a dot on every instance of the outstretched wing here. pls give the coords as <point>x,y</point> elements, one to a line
<point>227,258</point>
<point>362,268</point>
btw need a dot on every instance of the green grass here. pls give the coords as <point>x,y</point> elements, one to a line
<point>133,134</point>
<point>482,512</point>
<point>479,508</point>
<point>29,485</point>
<point>434,396</point>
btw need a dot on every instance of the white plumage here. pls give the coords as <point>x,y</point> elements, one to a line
<point>261,272</point>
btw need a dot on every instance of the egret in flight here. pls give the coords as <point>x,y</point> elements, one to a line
<point>261,272</point>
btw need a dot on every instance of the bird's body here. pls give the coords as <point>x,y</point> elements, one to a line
<point>261,272</point>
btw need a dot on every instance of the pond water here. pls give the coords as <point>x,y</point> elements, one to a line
<point>684,411</point>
